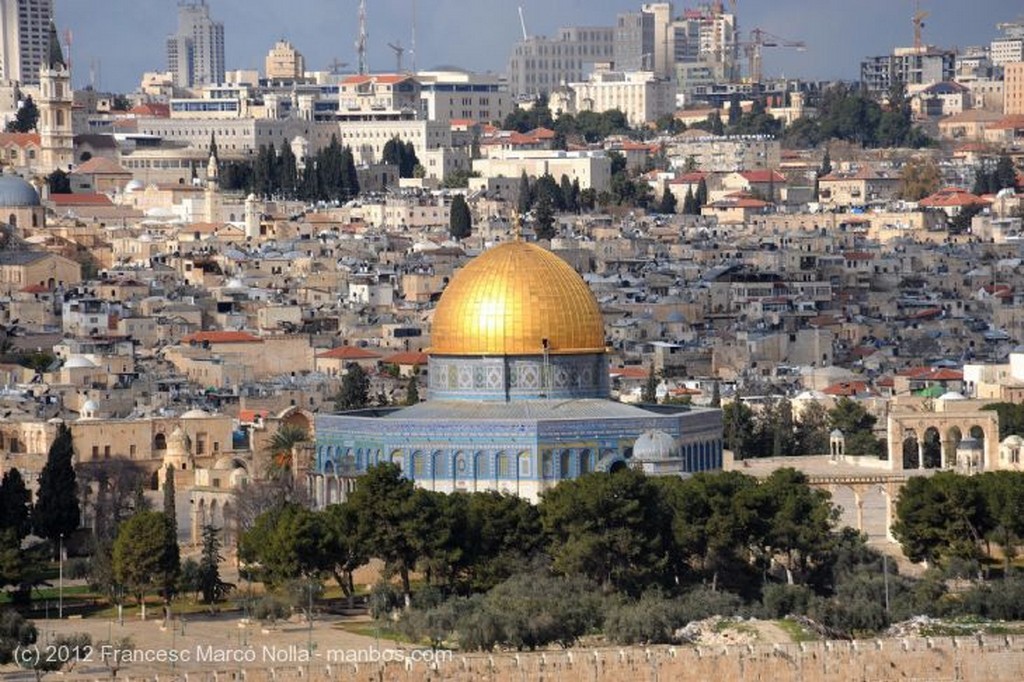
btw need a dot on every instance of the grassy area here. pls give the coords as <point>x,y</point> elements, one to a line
<point>729,624</point>
<point>371,629</point>
<point>796,631</point>
<point>970,626</point>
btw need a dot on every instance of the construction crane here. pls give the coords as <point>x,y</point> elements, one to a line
<point>361,40</point>
<point>759,39</point>
<point>522,23</point>
<point>399,51</point>
<point>918,21</point>
<point>336,66</point>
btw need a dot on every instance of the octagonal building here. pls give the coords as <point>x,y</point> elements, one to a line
<point>518,394</point>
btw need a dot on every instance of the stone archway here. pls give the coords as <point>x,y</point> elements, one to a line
<point>947,428</point>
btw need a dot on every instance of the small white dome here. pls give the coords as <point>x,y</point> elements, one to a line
<point>655,445</point>
<point>952,395</point>
<point>133,186</point>
<point>89,409</point>
<point>836,433</point>
<point>195,414</point>
<point>1013,440</point>
<point>79,362</point>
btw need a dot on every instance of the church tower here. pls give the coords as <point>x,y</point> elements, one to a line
<point>56,137</point>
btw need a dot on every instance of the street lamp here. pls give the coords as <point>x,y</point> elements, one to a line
<point>60,588</point>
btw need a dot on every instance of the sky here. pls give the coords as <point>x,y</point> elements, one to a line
<point>115,41</point>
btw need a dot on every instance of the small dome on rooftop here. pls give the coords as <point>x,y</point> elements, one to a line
<point>15,191</point>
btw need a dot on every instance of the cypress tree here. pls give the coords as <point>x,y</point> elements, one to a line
<point>57,510</point>
<point>460,221</point>
<point>14,504</point>
<point>170,507</point>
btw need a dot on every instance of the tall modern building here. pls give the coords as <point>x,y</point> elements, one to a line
<point>912,66</point>
<point>538,64</point>
<point>195,54</point>
<point>24,39</point>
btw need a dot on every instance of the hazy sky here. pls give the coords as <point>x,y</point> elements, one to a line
<point>120,39</point>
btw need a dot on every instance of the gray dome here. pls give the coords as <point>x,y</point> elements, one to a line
<point>655,445</point>
<point>17,192</point>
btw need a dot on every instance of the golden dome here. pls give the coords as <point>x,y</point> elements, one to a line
<point>509,299</point>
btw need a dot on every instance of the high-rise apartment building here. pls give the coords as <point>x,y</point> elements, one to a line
<point>24,39</point>
<point>284,62</point>
<point>911,66</point>
<point>195,54</point>
<point>1013,88</point>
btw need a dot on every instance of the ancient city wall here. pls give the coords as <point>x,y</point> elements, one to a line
<point>966,659</point>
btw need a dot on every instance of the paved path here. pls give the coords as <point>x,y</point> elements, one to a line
<point>206,642</point>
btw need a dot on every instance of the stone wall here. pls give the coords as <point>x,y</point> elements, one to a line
<point>964,659</point>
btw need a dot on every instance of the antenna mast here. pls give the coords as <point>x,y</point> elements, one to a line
<point>361,40</point>
<point>522,22</point>
<point>412,48</point>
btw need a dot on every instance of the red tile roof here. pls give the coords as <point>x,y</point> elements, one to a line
<point>949,197</point>
<point>222,337</point>
<point>406,358</point>
<point>152,109</point>
<point>847,388</point>
<point>349,353</point>
<point>80,200</point>
<point>19,139</point>
<point>762,176</point>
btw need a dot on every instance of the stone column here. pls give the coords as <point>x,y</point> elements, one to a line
<point>942,453</point>
<point>920,454</point>
<point>858,500</point>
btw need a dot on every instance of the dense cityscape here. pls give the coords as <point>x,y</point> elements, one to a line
<point>634,361</point>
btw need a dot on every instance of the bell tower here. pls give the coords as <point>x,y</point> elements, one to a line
<point>56,137</point>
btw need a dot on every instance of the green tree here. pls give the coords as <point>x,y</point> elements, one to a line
<point>170,507</point>
<point>801,520</point>
<point>26,118</point>
<point>1005,173</point>
<point>385,502</point>
<point>857,425</point>
<point>738,424</point>
<point>355,389</point>
<point>146,556</point>
<point>15,504</point>
<point>702,194</point>
<point>1011,418</point>
<point>940,517</point>
<point>208,576</point>
<point>281,445</point>
<point>503,536</point>
<point>544,218</point>
<point>412,391</point>
<point>649,392</point>
<point>668,202</point>
<point>344,549</point>
<point>919,178</point>
<point>288,172</point>
<point>15,632</point>
<point>349,174</point>
<point>811,431</point>
<point>460,222</point>
<point>58,182</point>
<point>56,511</point>
<point>709,525</point>
<point>524,200</point>
<point>826,165</point>
<point>1003,493</point>
<point>610,528</point>
<point>690,206</point>
<point>287,542</point>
